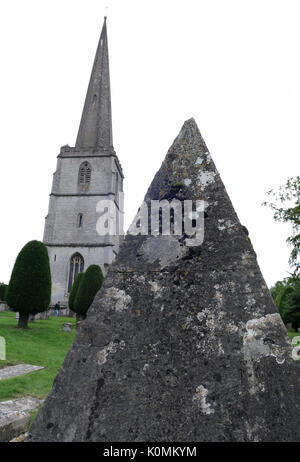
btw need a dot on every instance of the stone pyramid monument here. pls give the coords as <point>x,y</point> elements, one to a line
<point>182,343</point>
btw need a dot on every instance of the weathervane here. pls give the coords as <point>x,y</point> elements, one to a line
<point>106,10</point>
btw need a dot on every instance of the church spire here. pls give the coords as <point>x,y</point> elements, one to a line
<point>96,126</point>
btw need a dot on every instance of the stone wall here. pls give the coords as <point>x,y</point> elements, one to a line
<point>66,312</point>
<point>3,306</point>
<point>59,263</point>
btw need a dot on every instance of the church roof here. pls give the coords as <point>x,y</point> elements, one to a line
<point>95,128</point>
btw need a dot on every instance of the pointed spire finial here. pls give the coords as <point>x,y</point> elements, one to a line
<point>96,125</point>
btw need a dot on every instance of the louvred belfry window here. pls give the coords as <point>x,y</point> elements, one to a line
<point>84,174</point>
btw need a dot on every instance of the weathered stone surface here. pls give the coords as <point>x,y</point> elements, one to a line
<point>13,425</point>
<point>19,369</point>
<point>15,417</point>
<point>180,344</point>
<point>67,327</point>
<point>20,438</point>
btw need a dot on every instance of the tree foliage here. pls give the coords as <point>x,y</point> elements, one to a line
<point>29,289</point>
<point>74,290</point>
<point>286,295</point>
<point>3,289</point>
<point>89,285</point>
<point>286,208</point>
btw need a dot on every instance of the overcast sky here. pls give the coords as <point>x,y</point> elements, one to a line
<point>233,65</point>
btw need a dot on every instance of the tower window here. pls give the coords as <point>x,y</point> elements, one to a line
<point>79,220</point>
<point>84,177</point>
<point>117,184</point>
<point>76,266</point>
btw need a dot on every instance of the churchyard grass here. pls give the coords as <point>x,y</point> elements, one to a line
<point>293,334</point>
<point>42,344</point>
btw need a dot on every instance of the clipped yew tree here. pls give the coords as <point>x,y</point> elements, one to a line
<point>89,285</point>
<point>74,290</point>
<point>3,288</point>
<point>29,289</point>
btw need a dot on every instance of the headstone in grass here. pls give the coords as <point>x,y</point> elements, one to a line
<point>67,327</point>
<point>3,306</point>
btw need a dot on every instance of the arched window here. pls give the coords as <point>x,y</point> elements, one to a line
<point>76,266</point>
<point>84,176</point>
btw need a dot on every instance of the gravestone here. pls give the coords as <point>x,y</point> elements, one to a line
<point>43,315</point>
<point>183,342</point>
<point>3,306</point>
<point>67,327</point>
<point>15,416</point>
<point>63,312</point>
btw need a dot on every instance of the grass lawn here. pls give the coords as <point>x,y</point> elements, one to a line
<point>293,334</point>
<point>42,344</point>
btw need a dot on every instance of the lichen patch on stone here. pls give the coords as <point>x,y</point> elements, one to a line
<point>200,398</point>
<point>111,348</point>
<point>208,157</point>
<point>206,177</point>
<point>156,289</point>
<point>145,369</point>
<point>165,249</point>
<point>225,224</point>
<point>246,257</point>
<point>120,298</point>
<point>258,343</point>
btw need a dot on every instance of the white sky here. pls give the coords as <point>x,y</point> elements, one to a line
<point>232,65</point>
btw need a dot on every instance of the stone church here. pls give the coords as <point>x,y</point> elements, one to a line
<point>85,174</point>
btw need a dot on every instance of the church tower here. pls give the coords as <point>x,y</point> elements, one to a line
<point>85,174</point>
